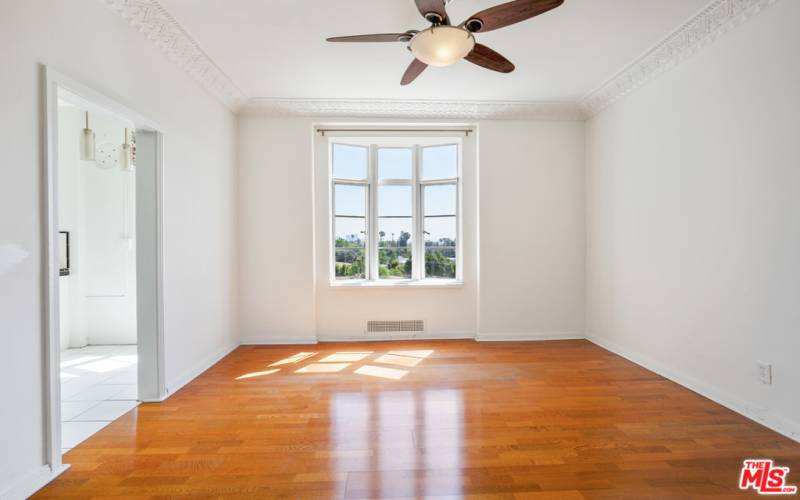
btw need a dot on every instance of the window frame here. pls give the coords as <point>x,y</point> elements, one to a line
<point>374,235</point>
<point>372,184</point>
<point>421,221</point>
<point>366,217</point>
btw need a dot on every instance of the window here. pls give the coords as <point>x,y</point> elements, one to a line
<point>395,211</point>
<point>350,201</point>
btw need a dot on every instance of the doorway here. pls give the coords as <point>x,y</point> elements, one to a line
<point>97,269</point>
<point>104,347</point>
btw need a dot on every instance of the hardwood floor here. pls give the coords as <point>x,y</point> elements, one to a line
<point>560,420</point>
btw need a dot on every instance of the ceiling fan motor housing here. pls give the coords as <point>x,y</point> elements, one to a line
<point>434,18</point>
<point>407,36</point>
<point>474,25</point>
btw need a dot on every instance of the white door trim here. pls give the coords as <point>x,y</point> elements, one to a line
<point>85,96</point>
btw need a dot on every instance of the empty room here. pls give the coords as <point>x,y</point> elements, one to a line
<point>490,249</point>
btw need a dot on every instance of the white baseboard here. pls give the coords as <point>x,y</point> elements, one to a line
<point>278,341</point>
<point>175,385</point>
<point>355,338</point>
<point>372,337</point>
<point>32,482</point>
<point>781,425</point>
<point>533,336</point>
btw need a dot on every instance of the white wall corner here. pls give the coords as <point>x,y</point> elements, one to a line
<point>32,482</point>
<point>176,384</point>
<point>754,412</point>
<point>716,19</point>
<point>527,336</point>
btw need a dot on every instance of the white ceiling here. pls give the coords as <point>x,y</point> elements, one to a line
<point>277,48</point>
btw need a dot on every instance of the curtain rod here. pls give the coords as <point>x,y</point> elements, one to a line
<point>322,131</point>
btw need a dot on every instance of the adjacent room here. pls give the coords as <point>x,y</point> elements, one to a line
<point>97,271</point>
<point>526,249</point>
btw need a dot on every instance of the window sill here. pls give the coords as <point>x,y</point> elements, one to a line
<point>398,284</point>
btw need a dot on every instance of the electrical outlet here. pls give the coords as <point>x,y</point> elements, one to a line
<point>764,373</point>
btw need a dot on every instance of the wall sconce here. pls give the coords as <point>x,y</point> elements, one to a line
<point>87,142</point>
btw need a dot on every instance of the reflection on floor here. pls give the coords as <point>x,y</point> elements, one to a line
<point>98,385</point>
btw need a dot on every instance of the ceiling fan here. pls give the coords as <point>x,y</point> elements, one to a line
<point>444,44</point>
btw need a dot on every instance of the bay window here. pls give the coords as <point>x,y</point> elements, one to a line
<point>395,211</point>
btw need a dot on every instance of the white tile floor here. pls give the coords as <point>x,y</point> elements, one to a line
<point>98,385</point>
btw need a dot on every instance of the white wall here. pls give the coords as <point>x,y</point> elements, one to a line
<point>97,205</point>
<point>521,163</point>
<point>532,230</point>
<point>275,225</point>
<point>92,44</point>
<point>693,233</point>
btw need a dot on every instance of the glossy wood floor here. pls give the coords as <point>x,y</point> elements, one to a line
<point>561,420</point>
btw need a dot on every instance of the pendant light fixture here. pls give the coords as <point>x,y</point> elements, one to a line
<point>87,142</point>
<point>126,156</point>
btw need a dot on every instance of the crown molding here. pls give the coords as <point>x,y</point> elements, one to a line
<point>716,19</point>
<point>420,109</point>
<point>153,20</point>
<point>719,17</point>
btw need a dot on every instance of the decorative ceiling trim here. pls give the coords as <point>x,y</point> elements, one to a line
<point>153,20</point>
<point>719,17</point>
<point>393,108</point>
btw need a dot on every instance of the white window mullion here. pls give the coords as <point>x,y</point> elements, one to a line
<point>459,233</point>
<point>421,241</point>
<point>372,213</point>
<point>333,231</point>
<point>416,255</point>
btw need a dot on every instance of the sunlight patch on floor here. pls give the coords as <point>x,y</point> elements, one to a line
<point>414,354</point>
<point>382,372</point>
<point>394,359</point>
<point>296,358</point>
<point>78,361</point>
<point>351,362</point>
<point>258,374</point>
<point>107,365</point>
<point>323,368</point>
<point>339,357</point>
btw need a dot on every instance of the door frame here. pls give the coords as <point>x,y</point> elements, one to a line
<point>149,275</point>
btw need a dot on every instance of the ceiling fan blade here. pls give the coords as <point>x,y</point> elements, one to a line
<point>509,13</point>
<point>381,37</point>
<point>433,7</point>
<point>486,57</point>
<point>414,69</point>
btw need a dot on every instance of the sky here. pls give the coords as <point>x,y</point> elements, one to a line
<point>350,162</point>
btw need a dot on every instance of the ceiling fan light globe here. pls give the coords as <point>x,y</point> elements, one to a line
<point>442,45</point>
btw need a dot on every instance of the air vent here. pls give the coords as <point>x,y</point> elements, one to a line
<point>409,325</point>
